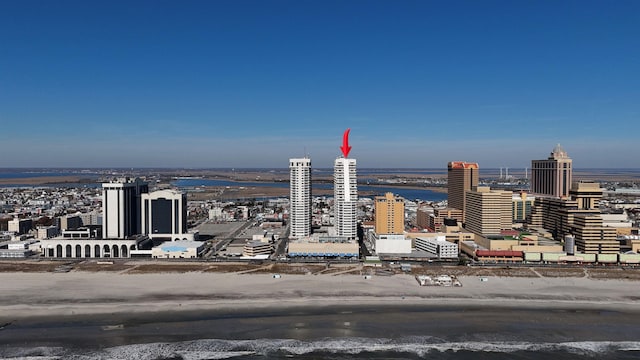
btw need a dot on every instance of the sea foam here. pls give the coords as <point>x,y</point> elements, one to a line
<point>210,349</point>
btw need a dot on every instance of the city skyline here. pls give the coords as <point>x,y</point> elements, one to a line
<point>251,84</point>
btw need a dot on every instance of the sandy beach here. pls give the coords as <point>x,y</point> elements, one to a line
<point>45,294</point>
<point>213,315</point>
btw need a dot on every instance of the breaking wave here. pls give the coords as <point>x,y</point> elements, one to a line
<point>211,349</point>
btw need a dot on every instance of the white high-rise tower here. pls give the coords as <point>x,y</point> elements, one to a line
<point>300,197</point>
<point>345,191</point>
<point>121,207</point>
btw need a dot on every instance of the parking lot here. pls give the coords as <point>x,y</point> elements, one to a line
<point>228,239</point>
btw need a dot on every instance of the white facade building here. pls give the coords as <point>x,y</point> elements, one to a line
<point>300,197</point>
<point>121,207</point>
<point>61,247</point>
<point>438,246</point>
<point>392,244</point>
<point>215,213</point>
<point>164,215</point>
<point>345,191</point>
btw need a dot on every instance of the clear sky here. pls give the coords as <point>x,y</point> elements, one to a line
<point>253,83</point>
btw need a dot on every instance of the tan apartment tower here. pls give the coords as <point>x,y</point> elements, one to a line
<point>389,214</point>
<point>462,176</point>
<point>553,176</point>
<point>488,211</point>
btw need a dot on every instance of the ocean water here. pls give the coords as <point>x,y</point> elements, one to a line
<point>333,332</point>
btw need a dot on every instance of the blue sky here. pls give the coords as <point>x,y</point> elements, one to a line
<point>253,83</point>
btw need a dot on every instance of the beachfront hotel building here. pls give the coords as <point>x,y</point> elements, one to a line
<point>553,176</point>
<point>389,214</point>
<point>345,192</point>
<point>389,226</point>
<point>488,211</point>
<point>461,177</point>
<point>579,216</point>
<point>316,246</point>
<point>300,197</point>
<point>121,207</point>
<point>164,215</point>
<point>563,207</point>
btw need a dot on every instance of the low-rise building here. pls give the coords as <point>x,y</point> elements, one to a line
<point>255,248</point>
<point>325,246</point>
<point>422,217</point>
<point>69,222</point>
<point>74,247</point>
<point>90,218</point>
<point>437,245</point>
<point>499,256</point>
<point>180,249</point>
<point>452,234</point>
<point>20,226</point>
<point>21,245</point>
<point>439,218</point>
<point>47,232</point>
<point>392,244</point>
<point>15,253</point>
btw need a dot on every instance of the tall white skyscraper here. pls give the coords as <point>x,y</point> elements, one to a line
<point>345,191</point>
<point>300,197</point>
<point>121,207</point>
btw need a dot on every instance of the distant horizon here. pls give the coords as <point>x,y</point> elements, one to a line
<point>282,168</point>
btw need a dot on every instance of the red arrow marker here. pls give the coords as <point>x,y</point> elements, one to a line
<point>345,143</point>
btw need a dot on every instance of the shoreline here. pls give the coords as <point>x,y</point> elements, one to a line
<point>132,314</point>
<point>46,180</point>
<point>43,312</point>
